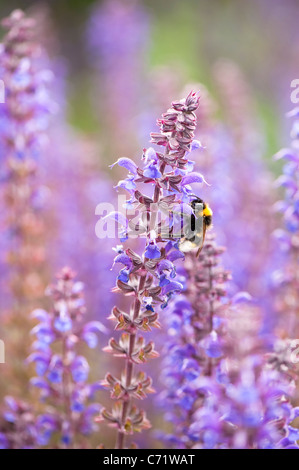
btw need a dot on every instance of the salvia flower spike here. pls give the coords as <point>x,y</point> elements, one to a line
<point>285,279</point>
<point>62,372</point>
<point>223,390</point>
<point>24,120</point>
<point>150,277</point>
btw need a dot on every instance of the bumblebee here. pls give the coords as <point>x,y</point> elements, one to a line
<point>195,231</point>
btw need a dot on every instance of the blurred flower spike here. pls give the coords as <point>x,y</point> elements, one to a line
<point>62,373</point>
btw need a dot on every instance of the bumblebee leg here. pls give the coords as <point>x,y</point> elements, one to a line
<point>203,240</point>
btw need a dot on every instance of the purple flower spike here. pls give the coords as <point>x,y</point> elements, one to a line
<point>63,376</point>
<point>24,119</point>
<point>118,38</point>
<point>285,281</point>
<point>149,276</point>
<point>223,392</point>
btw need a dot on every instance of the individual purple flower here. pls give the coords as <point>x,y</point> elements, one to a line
<point>152,251</point>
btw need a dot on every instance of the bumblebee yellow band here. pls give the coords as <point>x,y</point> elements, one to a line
<point>207,211</point>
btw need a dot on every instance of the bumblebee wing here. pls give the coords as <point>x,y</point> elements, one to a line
<point>202,240</point>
